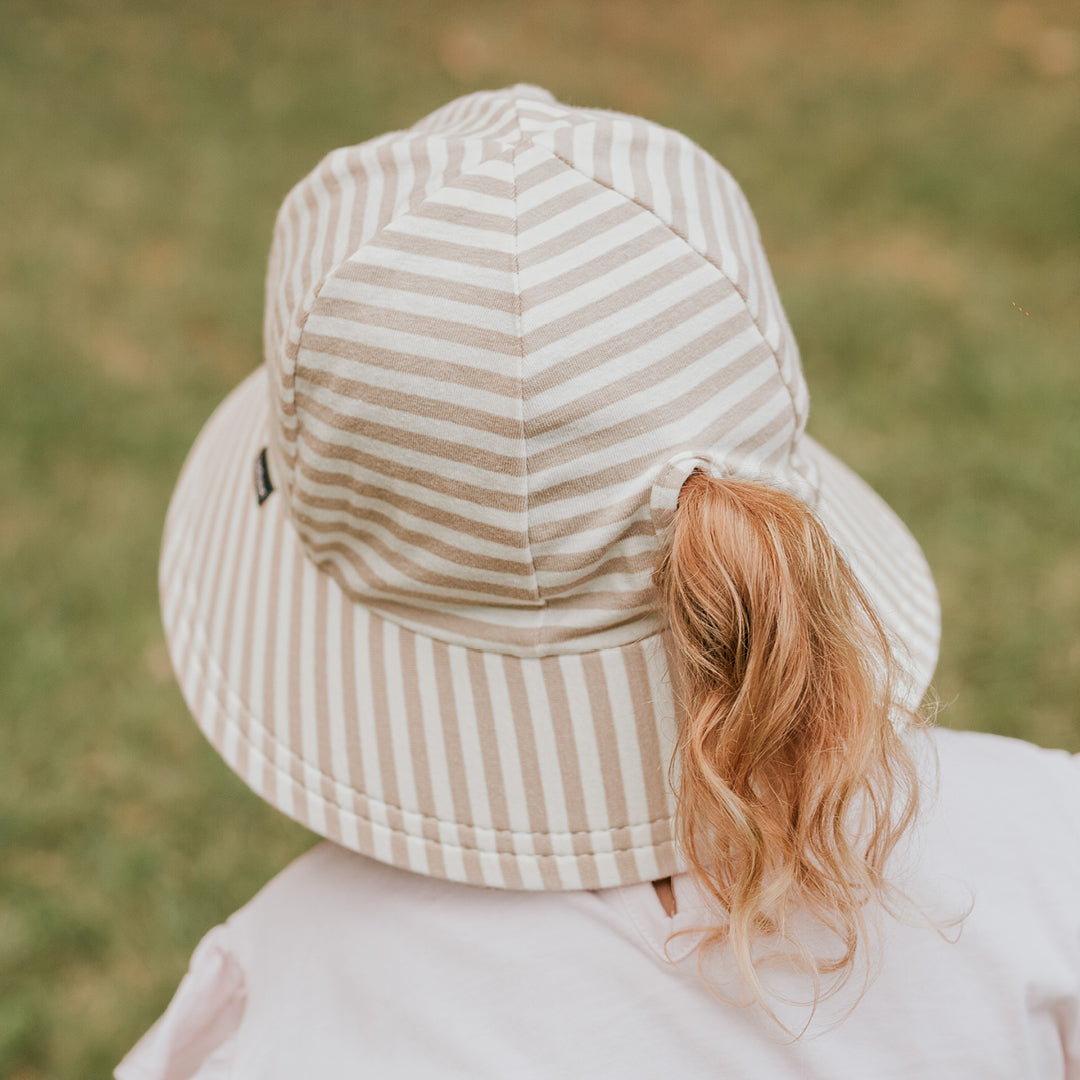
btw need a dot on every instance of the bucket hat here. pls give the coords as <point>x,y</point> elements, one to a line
<point>406,569</point>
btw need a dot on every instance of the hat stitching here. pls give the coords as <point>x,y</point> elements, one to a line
<point>686,239</point>
<point>292,327</point>
<point>535,581</point>
<point>299,319</point>
<point>204,658</point>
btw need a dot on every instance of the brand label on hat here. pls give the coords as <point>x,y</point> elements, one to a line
<point>263,487</point>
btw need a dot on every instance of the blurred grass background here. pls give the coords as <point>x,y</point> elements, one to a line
<point>915,168</point>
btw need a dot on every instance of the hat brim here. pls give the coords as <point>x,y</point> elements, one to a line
<point>533,773</point>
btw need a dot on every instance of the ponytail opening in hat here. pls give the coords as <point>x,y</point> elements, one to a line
<point>793,779</point>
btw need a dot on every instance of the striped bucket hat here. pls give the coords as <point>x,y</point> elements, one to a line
<point>496,344</point>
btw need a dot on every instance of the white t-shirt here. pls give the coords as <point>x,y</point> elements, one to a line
<point>342,967</point>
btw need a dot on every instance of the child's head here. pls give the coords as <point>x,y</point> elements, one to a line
<point>498,347</point>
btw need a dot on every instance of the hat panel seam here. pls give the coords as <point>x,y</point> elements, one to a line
<point>649,455</point>
<point>663,453</point>
<point>518,320</point>
<point>206,662</point>
<point>299,318</point>
<point>704,255</point>
<point>315,290</point>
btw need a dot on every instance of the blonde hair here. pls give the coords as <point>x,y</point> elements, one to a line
<point>794,784</point>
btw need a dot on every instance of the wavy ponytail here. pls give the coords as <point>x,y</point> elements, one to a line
<point>794,785</point>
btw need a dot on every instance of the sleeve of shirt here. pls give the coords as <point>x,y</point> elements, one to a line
<point>196,1035</point>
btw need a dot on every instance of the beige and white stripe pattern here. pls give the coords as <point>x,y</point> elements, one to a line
<point>486,338</point>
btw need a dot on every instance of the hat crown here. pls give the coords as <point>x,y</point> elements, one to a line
<point>486,337</point>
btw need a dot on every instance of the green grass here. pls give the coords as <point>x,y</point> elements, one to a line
<point>915,168</point>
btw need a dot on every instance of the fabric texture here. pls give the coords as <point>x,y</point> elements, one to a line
<point>343,967</point>
<point>488,339</point>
